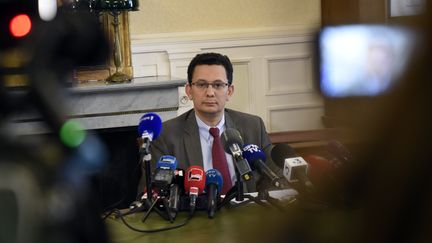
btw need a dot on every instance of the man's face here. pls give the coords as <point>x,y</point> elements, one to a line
<point>209,100</point>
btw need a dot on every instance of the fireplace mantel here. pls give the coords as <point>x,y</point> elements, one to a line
<point>99,106</point>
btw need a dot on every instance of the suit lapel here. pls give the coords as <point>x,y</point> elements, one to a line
<point>191,138</point>
<point>191,141</point>
<point>229,123</point>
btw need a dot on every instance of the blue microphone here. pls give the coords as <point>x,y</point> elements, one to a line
<point>164,173</point>
<point>150,126</point>
<point>168,179</point>
<point>253,154</point>
<point>214,183</point>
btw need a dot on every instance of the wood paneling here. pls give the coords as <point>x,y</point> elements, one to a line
<point>336,12</point>
<point>312,142</point>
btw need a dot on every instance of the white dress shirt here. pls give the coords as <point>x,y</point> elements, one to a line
<point>206,140</point>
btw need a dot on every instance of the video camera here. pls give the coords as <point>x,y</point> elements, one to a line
<point>44,188</point>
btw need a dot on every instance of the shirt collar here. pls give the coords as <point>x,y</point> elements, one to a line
<point>204,128</point>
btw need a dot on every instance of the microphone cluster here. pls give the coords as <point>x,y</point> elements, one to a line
<point>178,190</point>
<point>172,189</point>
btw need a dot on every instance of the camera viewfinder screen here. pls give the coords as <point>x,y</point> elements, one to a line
<point>362,60</point>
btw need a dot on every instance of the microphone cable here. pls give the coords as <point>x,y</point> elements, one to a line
<point>121,200</point>
<point>119,214</point>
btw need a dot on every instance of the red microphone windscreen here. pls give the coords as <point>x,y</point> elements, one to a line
<point>195,177</point>
<point>318,166</point>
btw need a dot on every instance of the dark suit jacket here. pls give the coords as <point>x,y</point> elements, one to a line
<point>180,138</point>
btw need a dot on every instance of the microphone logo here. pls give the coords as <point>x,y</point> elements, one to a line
<point>212,173</point>
<point>193,191</point>
<point>297,161</point>
<point>195,175</point>
<point>167,162</point>
<point>147,118</point>
<point>251,148</point>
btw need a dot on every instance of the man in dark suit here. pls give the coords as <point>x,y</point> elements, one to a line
<point>187,137</point>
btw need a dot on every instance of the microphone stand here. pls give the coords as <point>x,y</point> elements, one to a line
<point>152,207</point>
<point>264,194</point>
<point>233,193</point>
<point>146,159</point>
<point>237,191</point>
<point>240,189</point>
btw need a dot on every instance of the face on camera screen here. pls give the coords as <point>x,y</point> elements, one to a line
<point>362,60</point>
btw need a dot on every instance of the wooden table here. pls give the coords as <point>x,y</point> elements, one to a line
<point>245,223</point>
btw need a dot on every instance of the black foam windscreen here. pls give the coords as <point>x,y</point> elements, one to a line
<point>280,152</point>
<point>229,137</point>
<point>339,150</point>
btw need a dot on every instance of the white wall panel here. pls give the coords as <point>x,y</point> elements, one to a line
<point>289,74</point>
<point>294,118</point>
<point>273,72</point>
<point>241,100</point>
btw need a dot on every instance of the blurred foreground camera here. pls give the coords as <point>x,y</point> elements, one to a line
<point>362,60</point>
<point>46,192</point>
<point>17,18</point>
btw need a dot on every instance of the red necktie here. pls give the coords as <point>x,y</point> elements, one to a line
<point>219,160</point>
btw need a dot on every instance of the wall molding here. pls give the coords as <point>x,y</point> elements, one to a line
<point>302,107</point>
<point>295,107</point>
<point>181,43</point>
<point>307,58</point>
<point>287,47</point>
<point>247,61</point>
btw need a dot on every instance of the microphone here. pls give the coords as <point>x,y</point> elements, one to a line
<point>233,142</point>
<point>194,183</point>
<point>214,182</point>
<point>294,167</point>
<point>253,154</point>
<point>169,180</point>
<point>176,190</point>
<point>150,126</point>
<point>328,179</point>
<point>320,168</point>
<point>338,150</point>
<point>164,173</point>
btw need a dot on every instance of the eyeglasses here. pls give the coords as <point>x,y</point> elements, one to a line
<point>216,85</point>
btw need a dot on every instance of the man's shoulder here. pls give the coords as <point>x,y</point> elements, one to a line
<point>238,115</point>
<point>179,120</point>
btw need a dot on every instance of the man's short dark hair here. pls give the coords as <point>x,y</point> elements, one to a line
<point>211,58</point>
